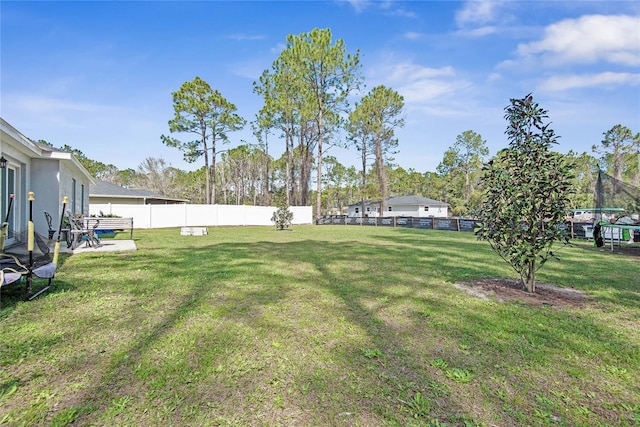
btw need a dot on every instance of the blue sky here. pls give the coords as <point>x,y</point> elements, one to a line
<point>98,76</point>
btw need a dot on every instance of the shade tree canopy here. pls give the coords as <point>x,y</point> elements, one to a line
<point>205,113</point>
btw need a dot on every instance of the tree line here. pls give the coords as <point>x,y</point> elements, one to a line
<point>305,95</point>
<point>457,179</point>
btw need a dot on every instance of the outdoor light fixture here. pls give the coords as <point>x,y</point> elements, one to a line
<point>3,162</point>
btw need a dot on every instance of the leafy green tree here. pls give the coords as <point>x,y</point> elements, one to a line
<point>241,173</point>
<point>338,184</point>
<point>203,111</point>
<point>372,126</point>
<point>124,177</point>
<point>358,133</point>
<point>464,159</point>
<point>527,193</point>
<point>584,180</point>
<point>96,168</point>
<point>325,75</point>
<point>190,185</point>
<point>616,150</point>
<point>407,182</point>
<point>285,108</point>
<point>261,128</point>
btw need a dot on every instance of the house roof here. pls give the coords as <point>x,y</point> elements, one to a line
<point>36,150</point>
<point>405,200</point>
<point>48,152</point>
<point>107,189</point>
<point>414,200</point>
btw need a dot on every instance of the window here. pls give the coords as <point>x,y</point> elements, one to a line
<point>73,196</point>
<point>389,208</point>
<point>82,198</point>
<point>9,185</point>
<point>426,208</point>
<point>368,209</point>
<point>357,210</point>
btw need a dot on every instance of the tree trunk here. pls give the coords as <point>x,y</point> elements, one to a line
<point>266,197</point>
<point>305,169</point>
<point>289,168</point>
<point>207,179</point>
<point>212,199</point>
<point>530,273</point>
<point>319,171</point>
<point>364,174</point>
<point>382,177</point>
<point>467,186</point>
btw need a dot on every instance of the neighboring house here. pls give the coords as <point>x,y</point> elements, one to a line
<point>414,206</point>
<point>104,192</point>
<point>48,172</point>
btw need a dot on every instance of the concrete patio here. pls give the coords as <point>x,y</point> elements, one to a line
<point>106,245</point>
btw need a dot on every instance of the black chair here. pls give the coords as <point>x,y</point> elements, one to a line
<point>51,230</point>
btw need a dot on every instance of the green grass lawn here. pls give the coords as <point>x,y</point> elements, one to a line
<point>322,325</point>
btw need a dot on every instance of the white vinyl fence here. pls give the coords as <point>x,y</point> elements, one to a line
<point>165,216</point>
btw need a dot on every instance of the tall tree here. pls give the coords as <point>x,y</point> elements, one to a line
<point>155,174</point>
<point>374,122</point>
<point>358,130</point>
<point>466,157</point>
<point>261,127</point>
<point>124,177</point>
<point>283,102</point>
<point>243,169</point>
<point>190,185</point>
<point>326,74</point>
<point>616,148</point>
<point>527,193</point>
<point>584,180</point>
<point>337,182</point>
<point>96,168</point>
<point>202,111</point>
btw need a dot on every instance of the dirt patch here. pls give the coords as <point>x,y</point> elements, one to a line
<point>503,289</point>
<point>633,251</point>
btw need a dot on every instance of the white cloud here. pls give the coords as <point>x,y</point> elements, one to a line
<point>278,48</point>
<point>477,12</point>
<point>425,90</point>
<point>494,77</point>
<point>40,106</point>
<point>397,11</point>
<point>422,86</point>
<point>387,6</point>
<point>245,37</point>
<point>412,35</point>
<point>587,40</point>
<point>560,83</point>
<point>359,5</point>
<point>409,72</point>
<point>478,32</point>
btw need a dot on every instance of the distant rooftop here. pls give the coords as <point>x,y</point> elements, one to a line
<point>108,189</point>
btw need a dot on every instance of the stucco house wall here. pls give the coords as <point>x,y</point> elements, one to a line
<point>414,206</point>
<point>115,200</point>
<point>47,172</point>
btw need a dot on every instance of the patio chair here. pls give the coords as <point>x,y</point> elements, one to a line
<point>49,223</point>
<point>79,233</point>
